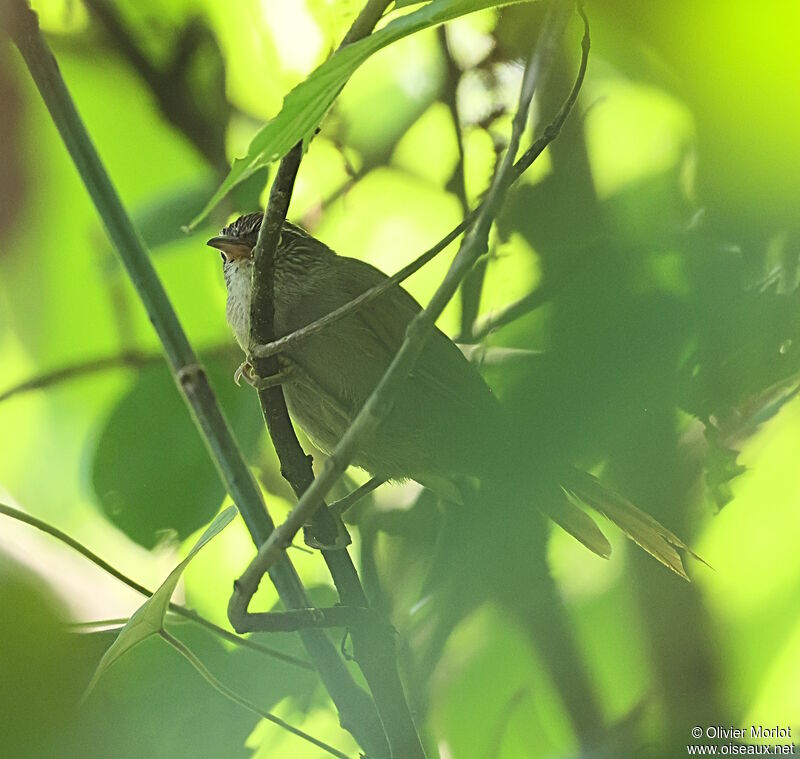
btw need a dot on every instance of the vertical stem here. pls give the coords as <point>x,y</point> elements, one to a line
<point>472,284</point>
<point>373,643</point>
<point>357,713</point>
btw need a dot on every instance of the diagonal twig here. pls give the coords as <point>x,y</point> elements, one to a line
<point>170,85</point>
<point>126,359</point>
<point>229,693</point>
<point>512,311</point>
<point>472,285</point>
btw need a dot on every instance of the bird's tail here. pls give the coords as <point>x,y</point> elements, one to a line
<point>643,529</point>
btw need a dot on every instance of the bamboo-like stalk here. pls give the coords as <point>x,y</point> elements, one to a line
<point>356,709</point>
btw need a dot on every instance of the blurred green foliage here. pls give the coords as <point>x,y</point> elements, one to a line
<point>660,235</point>
<point>132,488</point>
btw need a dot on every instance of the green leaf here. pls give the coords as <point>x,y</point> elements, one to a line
<point>150,471</point>
<point>148,619</point>
<point>304,107</point>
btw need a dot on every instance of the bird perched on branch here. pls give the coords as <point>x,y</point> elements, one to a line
<point>446,429</point>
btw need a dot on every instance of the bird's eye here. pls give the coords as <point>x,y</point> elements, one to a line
<point>223,257</point>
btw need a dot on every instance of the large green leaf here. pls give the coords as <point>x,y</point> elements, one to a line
<point>150,471</point>
<point>148,619</point>
<point>304,107</point>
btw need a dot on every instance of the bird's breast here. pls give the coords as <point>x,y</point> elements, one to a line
<point>237,307</point>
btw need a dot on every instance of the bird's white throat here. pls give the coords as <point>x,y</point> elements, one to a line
<point>237,308</point>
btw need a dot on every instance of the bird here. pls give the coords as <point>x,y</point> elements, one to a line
<point>446,429</point>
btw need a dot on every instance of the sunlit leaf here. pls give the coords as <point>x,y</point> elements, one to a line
<point>640,527</point>
<point>577,523</point>
<point>307,103</point>
<point>148,619</point>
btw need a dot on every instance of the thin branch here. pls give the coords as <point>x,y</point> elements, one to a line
<point>296,466</point>
<point>453,77</point>
<point>269,621</point>
<point>126,359</point>
<point>356,710</point>
<point>512,311</point>
<point>365,22</point>
<point>472,285</point>
<point>189,614</point>
<point>520,167</point>
<point>342,190</point>
<point>353,497</point>
<point>380,401</point>
<point>220,687</point>
<point>504,720</point>
<point>300,619</point>
<point>111,20</point>
<point>171,85</point>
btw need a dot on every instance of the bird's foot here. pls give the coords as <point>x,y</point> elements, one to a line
<point>247,373</point>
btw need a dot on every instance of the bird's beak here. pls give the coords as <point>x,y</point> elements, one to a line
<point>233,248</point>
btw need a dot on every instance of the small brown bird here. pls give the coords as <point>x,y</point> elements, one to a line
<point>445,425</point>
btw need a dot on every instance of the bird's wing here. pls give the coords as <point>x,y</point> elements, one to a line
<point>441,366</point>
